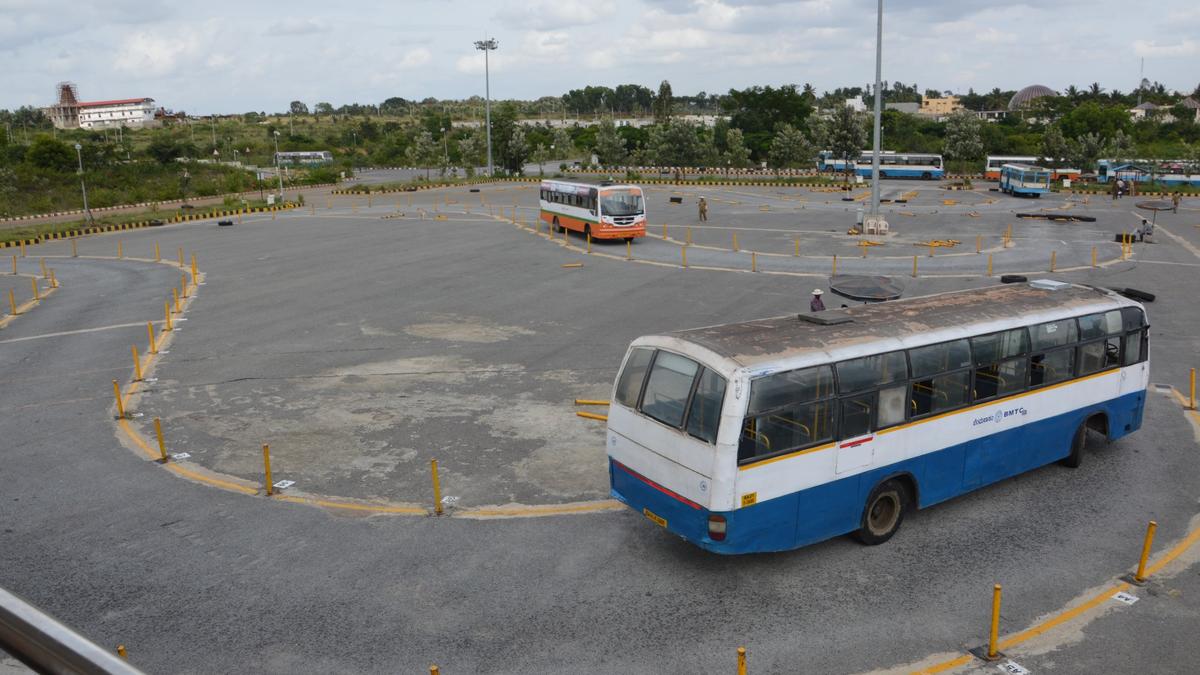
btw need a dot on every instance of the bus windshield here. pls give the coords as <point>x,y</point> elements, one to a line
<point>621,202</point>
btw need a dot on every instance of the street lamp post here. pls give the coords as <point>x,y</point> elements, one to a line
<point>278,172</point>
<point>445,147</point>
<point>486,46</point>
<point>82,184</point>
<point>875,218</point>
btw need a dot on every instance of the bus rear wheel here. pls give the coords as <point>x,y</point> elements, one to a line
<point>1073,460</point>
<point>883,513</point>
<point>555,226</point>
<point>926,176</point>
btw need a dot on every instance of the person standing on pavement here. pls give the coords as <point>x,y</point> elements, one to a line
<point>1175,202</point>
<point>703,205</point>
<point>816,305</point>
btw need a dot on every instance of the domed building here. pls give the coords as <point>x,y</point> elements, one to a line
<point>1023,98</point>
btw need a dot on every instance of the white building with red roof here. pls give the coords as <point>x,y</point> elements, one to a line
<point>70,113</point>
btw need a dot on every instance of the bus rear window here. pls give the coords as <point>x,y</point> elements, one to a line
<point>629,385</point>
<point>705,412</point>
<point>668,387</point>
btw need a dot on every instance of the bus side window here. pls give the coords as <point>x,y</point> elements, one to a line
<point>704,415</point>
<point>1000,363</point>
<point>941,377</point>
<point>629,385</point>
<point>665,396</point>
<point>788,411</point>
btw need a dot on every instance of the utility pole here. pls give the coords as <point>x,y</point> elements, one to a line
<point>486,46</point>
<point>874,217</point>
<point>82,184</point>
<point>278,171</point>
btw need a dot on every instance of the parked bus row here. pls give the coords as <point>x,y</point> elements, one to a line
<point>891,165</point>
<point>773,434</point>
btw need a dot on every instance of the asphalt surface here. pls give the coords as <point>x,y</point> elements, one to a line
<point>195,579</point>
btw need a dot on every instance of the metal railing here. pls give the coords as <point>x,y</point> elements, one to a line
<point>48,646</point>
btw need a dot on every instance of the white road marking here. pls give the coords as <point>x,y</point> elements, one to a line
<point>77,332</point>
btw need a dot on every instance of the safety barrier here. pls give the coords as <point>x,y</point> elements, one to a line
<point>48,646</point>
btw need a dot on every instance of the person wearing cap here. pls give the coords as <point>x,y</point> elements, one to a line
<point>703,209</point>
<point>816,305</point>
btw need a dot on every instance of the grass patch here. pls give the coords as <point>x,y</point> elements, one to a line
<point>35,230</point>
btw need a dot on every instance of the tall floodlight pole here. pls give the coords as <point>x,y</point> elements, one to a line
<point>878,111</point>
<point>82,184</point>
<point>486,46</point>
<point>278,171</point>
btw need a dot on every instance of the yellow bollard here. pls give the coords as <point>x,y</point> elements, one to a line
<point>122,653</point>
<point>53,279</point>
<point>914,267</point>
<point>741,664</point>
<point>1053,259</point>
<point>683,252</point>
<point>989,272</point>
<point>74,251</point>
<point>1093,256</point>
<point>753,261</point>
<point>273,212</point>
<point>14,265</point>
<point>328,203</point>
<point>931,249</point>
<point>437,487</point>
<point>979,243</point>
<point>267,468</point>
<point>240,216</point>
<point>689,237</point>
<point>22,248</point>
<point>137,364</point>
<point>120,403</point>
<point>181,256</point>
<point>834,273</point>
<point>735,246</point>
<point>796,252</point>
<point>1192,390</point>
<point>45,274</point>
<point>1140,577</point>
<point>193,268</point>
<point>994,634</point>
<point>120,249</point>
<point>183,284</point>
<point>162,447</point>
<point>175,294</point>
<point>150,334</point>
<point>157,255</point>
<point>629,249</point>
<point>665,237</point>
<point>12,302</point>
<point>167,313</point>
<point>36,296</point>
<point>589,242</point>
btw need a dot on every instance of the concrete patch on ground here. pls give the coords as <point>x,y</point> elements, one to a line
<point>465,329</point>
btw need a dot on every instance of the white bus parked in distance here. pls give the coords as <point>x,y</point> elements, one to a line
<point>600,209</point>
<point>773,434</point>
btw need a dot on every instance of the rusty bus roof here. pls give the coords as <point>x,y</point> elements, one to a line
<point>752,343</point>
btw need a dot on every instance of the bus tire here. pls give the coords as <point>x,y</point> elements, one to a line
<point>883,513</point>
<point>926,176</point>
<point>555,226</point>
<point>1013,279</point>
<point>1078,441</point>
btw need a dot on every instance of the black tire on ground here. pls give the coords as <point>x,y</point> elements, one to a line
<point>1078,441</point>
<point>224,223</point>
<point>474,190</point>
<point>1013,279</point>
<point>926,176</point>
<point>554,226</point>
<point>883,513</point>
<point>1138,295</point>
<point>587,230</point>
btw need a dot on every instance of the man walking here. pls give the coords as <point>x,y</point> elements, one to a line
<point>703,210</point>
<point>1175,202</point>
<point>816,305</point>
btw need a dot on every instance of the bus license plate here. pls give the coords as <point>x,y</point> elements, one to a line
<point>659,520</point>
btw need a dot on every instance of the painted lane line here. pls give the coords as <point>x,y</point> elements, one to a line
<point>140,324</point>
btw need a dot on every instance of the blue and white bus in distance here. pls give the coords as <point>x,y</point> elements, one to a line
<point>1024,180</point>
<point>774,434</point>
<point>1169,172</point>
<point>891,164</point>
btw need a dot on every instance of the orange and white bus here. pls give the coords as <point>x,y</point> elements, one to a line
<point>600,209</point>
<point>991,170</point>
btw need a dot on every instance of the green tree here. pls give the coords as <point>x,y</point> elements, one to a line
<point>847,136</point>
<point>1054,146</point>
<point>423,152</point>
<point>758,111</point>
<point>298,108</point>
<point>1091,117</point>
<point>48,153</point>
<point>737,155</point>
<point>610,147</point>
<point>164,149</point>
<point>675,143</point>
<point>1086,149</point>
<point>472,148</point>
<point>790,149</point>
<point>563,145</point>
<point>818,132</point>
<point>963,139</point>
<point>323,108</point>
<point>1121,145</point>
<point>517,152</point>
<point>663,103</point>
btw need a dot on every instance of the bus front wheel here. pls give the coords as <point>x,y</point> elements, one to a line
<point>883,513</point>
<point>555,225</point>
<point>1073,460</point>
<point>926,176</point>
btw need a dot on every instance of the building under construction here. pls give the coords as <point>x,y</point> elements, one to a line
<point>71,113</point>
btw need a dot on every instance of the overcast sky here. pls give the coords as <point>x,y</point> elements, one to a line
<point>225,56</point>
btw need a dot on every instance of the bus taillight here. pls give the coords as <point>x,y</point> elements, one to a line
<point>716,527</point>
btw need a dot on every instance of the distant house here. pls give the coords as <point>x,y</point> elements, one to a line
<point>940,107</point>
<point>71,113</point>
<point>908,108</point>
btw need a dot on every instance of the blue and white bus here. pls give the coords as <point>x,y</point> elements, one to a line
<point>891,164</point>
<point>1169,172</point>
<point>1024,180</point>
<point>774,434</point>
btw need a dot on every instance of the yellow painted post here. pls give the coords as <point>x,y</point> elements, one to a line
<point>14,265</point>
<point>735,245</point>
<point>120,249</point>
<point>120,403</point>
<point>1140,577</point>
<point>45,274</point>
<point>1093,256</point>
<point>167,313</point>
<point>22,248</point>
<point>796,251</point>
<point>162,446</point>
<point>137,364</point>
<point>36,296</point>
<point>121,652</point>
<point>437,487</point>
<point>74,251</point>
<point>150,333</point>
<point>273,213</point>
<point>979,243</point>
<point>193,268</point>
<point>1192,390</point>
<point>175,295</point>
<point>741,664</point>
<point>683,252</point>
<point>753,261</point>
<point>834,273</point>
<point>53,279</point>
<point>267,469</point>
<point>183,284</point>
<point>930,248</point>
<point>589,242</point>
<point>12,303</point>
<point>433,670</point>
<point>370,202</point>
<point>157,254</point>
<point>181,256</point>
<point>240,212</point>
<point>629,249</point>
<point>989,272</point>
<point>689,236</point>
<point>994,634</point>
<point>1053,259</point>
<point>914,267</point>
<point>665,237</point>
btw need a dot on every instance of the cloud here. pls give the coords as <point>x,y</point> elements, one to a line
<point>551,14</point>
<point>1185,47</point>
<point>153,53</point>
<point>295,26</point>
<point>413,58</point>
